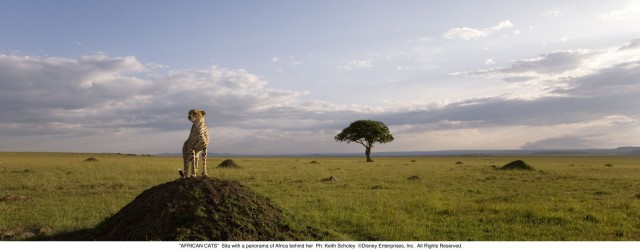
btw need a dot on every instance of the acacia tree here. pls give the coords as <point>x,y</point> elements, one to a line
<point>366,132</point>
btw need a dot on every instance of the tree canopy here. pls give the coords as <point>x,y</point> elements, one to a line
<point>366,133</point>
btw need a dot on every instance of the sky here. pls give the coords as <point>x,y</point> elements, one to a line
<point>284,77</point>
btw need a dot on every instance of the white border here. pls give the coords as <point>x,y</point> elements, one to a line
<point>324,245</point>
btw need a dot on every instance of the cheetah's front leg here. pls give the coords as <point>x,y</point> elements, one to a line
<point>204,162</point>
<point>185,171</point>
<point>194,162</point>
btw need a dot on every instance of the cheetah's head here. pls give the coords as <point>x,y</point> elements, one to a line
<point>197,115</point>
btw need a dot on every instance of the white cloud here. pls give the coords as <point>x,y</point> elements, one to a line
<point>68,83</point>
<point>62,96</point>
<point>467,33</point>
<point>557,12</point>
<point>555,62</point>
<point>502,25</point>
<point>356,64</point>
<point>586,95</point>
<point>572,72</point>
<point>571,98</point>
<point>490,61</point>
<point>630,10</point>
<point>59,104</point>
<point>275,59</point>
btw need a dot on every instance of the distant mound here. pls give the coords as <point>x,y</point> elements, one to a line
<point>228,163</point>
<point>517,165</point>
<point>198,209</point>
<point>22,234</point>
<point>13,198</point>
<point>91,159</point>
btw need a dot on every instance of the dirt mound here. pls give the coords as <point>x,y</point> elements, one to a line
<point>228,163</point>
<point>14,197</point>
<point>22,234</point>
<point>517,165</point>
<point>91,159</point>
<point>199,209</point>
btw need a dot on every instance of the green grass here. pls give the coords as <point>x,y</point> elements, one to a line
<point>565,198</point>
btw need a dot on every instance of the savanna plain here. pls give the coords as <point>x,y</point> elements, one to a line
<point>595,198</point>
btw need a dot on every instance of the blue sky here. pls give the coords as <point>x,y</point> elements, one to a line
<point>286,76</point>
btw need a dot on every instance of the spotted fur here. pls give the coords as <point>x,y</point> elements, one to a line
<point>196,144</point>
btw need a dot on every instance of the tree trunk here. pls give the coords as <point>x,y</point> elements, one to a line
<point>368,153</point>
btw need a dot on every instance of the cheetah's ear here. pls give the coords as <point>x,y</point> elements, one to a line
<point>203,113</point>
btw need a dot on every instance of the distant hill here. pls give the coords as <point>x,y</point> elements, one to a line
<point>628,150</point>
<point>208,154</point>
<point>567,152</point>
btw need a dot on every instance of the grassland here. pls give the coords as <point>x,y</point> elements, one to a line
<point>400,198</point>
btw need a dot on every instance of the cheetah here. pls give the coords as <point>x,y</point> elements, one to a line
<point>194,145</point>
